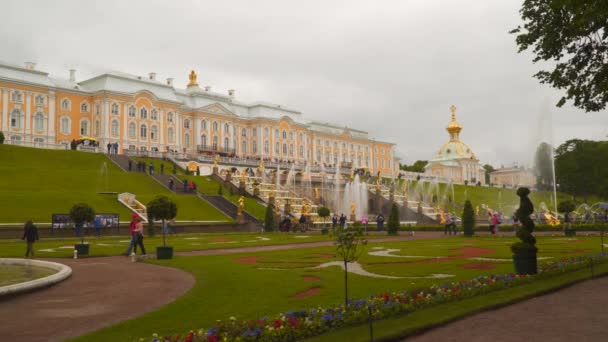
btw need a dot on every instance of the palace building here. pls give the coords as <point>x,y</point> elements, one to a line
<point>455,161</point>
<point>145,114</point>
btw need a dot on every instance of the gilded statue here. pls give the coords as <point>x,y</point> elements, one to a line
<point>216,160</point>
<point>317,194</point>
<point>304,209</point>
<point>277,207</point>
<point>243,177</point>
<point>192,77</point>
<point>353,206</point>
<point>241,205</point>
<point>378,184</point>
<point>261,167</point>
<point>352,174</point>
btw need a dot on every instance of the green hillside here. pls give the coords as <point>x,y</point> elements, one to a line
<point>35,183</point>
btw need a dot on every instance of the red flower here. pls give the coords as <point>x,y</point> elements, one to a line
<point>212,338</point>
<point>189,337</point>
<point>293,322</point>
<point>386,297</point>
<point>277,323</point>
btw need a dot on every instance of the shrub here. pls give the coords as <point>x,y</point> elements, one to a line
<point>81,213</point>
<point>1,138</point>
<point>566,206</point>
<point>393,220</point>
<point>524,233</point>
<point>269,218</point>
<point>468,219</point>
<point>323,213</point>
<point>161,208</point>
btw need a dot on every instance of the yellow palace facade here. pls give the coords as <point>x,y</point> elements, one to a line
<point>145,114</point>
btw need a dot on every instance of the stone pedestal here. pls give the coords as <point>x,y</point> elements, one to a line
<point>228,176</point>
<point>242,188</point>
<point>353,218</point>
<point>216,170</point>
<point>256,190</point>
<point>240,218</point>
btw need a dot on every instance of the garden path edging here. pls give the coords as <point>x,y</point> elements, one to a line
<point>63,272</point>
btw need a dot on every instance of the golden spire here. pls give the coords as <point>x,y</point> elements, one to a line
<point>454,127</point>
<point>192,77</point>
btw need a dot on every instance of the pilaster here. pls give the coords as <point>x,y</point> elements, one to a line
<point>51,120</point>
<point>5,123</point>
<point>28,115</point>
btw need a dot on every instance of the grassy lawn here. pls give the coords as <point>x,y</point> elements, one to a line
<point>36,183</point>
<point>108,246</point>
<point>13,274</point>
<point>253,285</point>
<point>206,185</point>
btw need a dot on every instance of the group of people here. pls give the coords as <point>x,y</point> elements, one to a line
<point>341,221</point>
<point>136,228</point>
<point>112,148</point>
<point>450,224</point>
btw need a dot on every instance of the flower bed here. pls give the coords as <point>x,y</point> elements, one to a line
<point>297,325</point>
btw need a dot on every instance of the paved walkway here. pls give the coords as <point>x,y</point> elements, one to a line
<point>101,292</point>
<point>576,313</point>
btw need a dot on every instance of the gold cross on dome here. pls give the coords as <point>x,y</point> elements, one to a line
<point>453,110</point>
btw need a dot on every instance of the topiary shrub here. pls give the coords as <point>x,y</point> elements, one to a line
<point>161,208</point>
<point>566,206</point>
<point>80,214</point>
<point>468,219</point>
<point>393,221</point>
<point>323,213</point>
<point>1,137</point>
<point>526,248</point>
<point>269,218</point>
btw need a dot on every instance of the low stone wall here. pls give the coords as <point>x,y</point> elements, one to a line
<point>63,272</point>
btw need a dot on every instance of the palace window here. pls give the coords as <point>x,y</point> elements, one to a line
<point>215,126</point>
<point>319,142</point>
<point>65,125</point>
<point>327,157</point>
<point>290,135</point>
<point>204,140</point>
<point>266,147</point>
<point>114,129</point>
<point>301,137</point>
<point>132,130</point>
<point>319,156</point>
<point>276,134</point>
<point>143,131</point>
<point>244,147</point>
<point>16,119</point>
<point>284,134</point>
<point>244,132</point>
<point>97,111</point>
<point>266,132</point>
<point>38,141</point>
<point>170,117</point>
<point>114,109</point>
<point>226,128</point>
<point>285,149</point>
<point>17,96</point>
<point>301,151</point>
<point>39,101</point>
<point>154,115</point>
<point>254,147</point>
<point>343,146</point>
<point>204,125</point>
<point>186,123</point>
<point>39,122</point>
<point>170,135</point>
<point>254,131</point>
<point>84,107</point>
<point>215,143</point>
<point>143,113</point>
<point>97,128</point>
<point>291,149</point>
<point>187,140</point>
<point>226,143</point>
<point>335,157</point>
<point>84,127</point>
<point>65,104</point>
<point>153,133</point>
<point>132,112</point>
<point>326,143</point>
<point>277,148</point>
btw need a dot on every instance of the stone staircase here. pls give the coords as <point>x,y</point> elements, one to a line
<point>122,161</point>
<point>229,208</point>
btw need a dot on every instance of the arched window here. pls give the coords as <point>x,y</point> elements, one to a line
<point>276,134</point>
<point>215,143</point>
<point>154,115</point>
<point>114,109</point>
<point>84,127</point>
<point>39,122</point>
<point>39,101</point>
<point>84,107</point>
<point>97,128</point>
<point>143,131</point>
<point>186,123</point>
<point>204,124</point>
<point>290,135</point>
<point>291,149</point>
<point>244,132</point>
<point>301,137</point>
<point>17,96</point>
<point>170,117</point>
<point>143,113</point>
<point>97,111</point>
<point>284,134</point>
<point>16,119</point>
<point>266,147</point>
<point>244,147</point>
<point>277,148</point>
<point>65,104</point>
<point>226,128</point>
<point>132,130</point>
<point>226,143</point>
<point>114,130</point>
<point>301,150</point>
<point>153,132</point>
<point>285,149</point>
<point>132,112</point>
<point>170,135</point>
<point>187,140</point>
<point>65,125</point>
<point>254,147</point>
<point>204,140</point>
<point>215,126</point>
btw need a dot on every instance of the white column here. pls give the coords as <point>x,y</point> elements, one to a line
<point>28,114</point>
<point>5,124</point>
<point>51,120</point>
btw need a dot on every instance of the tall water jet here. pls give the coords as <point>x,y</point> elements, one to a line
<point>355,192</point>
<point>337,203</point>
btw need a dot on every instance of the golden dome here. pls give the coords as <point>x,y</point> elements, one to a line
<point>454,127</point>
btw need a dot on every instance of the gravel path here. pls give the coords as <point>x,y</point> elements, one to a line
<point>100,292</point>
<point>576,313</point>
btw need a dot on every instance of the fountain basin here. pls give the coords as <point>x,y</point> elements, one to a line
<point>60,272</point>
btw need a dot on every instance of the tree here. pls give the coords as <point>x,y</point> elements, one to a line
<point>418,166</point>
<point>573,34</point>
<point>269,218</point>
<point>350,244</point>
<point>582,169</point>
<point>80,214</point>
<point>393,221</point>
<point>468,219</point>
<point>566,206</point>
<point>161,208</point>
<point>323,212</point>
<point>488,169</point>
<point>543,166</point>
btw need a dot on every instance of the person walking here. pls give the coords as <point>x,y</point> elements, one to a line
<point>302,223</point>
<point>454,220</point>
<point>132,227</point>
<point>342,221</point>
<point>130,165</point>
<point>185,185</point>
<point>162,168</point>
<point>380,222</point>
<point>30,235</point>
<point>97,225</point>
<point>448,225</point>
<point>151,169</point>
<point>495,223</point>
<point>109,148</point>
<point>139,237</point>
<point>364,223</point>
<point>334,221</point>
<point>171,184</point>
<point>116,148</point>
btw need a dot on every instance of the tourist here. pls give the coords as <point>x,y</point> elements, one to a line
<point>30,235</point>
<point>491,222</point>
<point>97,225</point>
<point>342,221</point>
<point>495,223</point>
<point>448,225</point>
<point>191,186</point>
<point>109,148</point>
<point>567,221</point>
<point>302,223</point>
<point>162,168</point>
<point>139,237</point>
<point>132,227</point>
<point>454,220</point>
<point>185,185</point>
<point>380,222</point>
<point>171,184</point>
<point>151,169</point>
<point>130,165</point>
<point>334,221</point>
<point>116,148</point>
<point>364,222</point>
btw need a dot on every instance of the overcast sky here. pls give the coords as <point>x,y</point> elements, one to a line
<point>392,68</point>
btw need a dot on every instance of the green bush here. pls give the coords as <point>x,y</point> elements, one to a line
<point>1,138</point>
<point>269,218</point>
<point>161,208</point>
<point>81,213</point>
<point>468,219</point>
<point>566,206</point>
<point>393,221</point>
